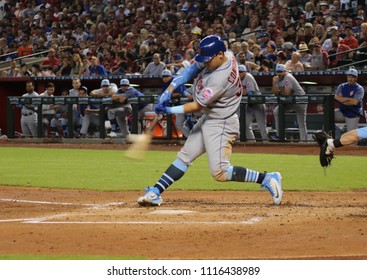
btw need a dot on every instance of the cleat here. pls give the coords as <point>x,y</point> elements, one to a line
<point>112,134</point>
<point>152,197</point>
<point>273,183</point>
<point>329,146</point>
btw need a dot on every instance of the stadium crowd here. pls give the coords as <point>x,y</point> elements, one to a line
<point>112,37</point>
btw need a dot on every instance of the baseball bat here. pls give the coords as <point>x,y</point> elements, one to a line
<point>140,142</point>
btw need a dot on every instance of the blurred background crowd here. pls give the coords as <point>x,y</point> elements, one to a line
<point>114,37</point>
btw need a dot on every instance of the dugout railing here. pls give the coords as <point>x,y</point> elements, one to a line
<point>14,102</point>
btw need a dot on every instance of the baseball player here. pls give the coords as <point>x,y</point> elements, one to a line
<point>285,83</point>
<point>76,83</point>
<point>60,119</point>
<point>48,111</point>
<point>29,117</point>
<point>217,93</point>
<point>349,95</point>
<point>250,88</point>
<point>124,93</point>
<point>91,113</point>
<point>117,112</point>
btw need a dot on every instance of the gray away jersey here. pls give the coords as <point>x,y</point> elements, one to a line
<point>219,91</point>
<point>290,81</point>
<point>250,84</point>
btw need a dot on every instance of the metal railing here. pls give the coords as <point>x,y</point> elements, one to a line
<point>326,99</point>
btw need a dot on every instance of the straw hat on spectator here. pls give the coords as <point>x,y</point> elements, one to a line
<point>302,47</point>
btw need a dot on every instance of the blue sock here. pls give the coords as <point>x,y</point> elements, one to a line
<point>176,170</point>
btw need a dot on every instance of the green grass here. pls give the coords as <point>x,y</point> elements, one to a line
<point>109,170</point>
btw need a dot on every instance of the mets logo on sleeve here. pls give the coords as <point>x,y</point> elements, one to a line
<point>207,93</point>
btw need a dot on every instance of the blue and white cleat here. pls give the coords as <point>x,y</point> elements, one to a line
<point>273,183</point>
<point>152,197</point>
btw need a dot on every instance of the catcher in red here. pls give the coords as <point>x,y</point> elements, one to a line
<point>328,144</point>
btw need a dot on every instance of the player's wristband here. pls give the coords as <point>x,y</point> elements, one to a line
<point>176,110</point>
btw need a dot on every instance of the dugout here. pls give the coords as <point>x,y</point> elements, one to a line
<point>314,83</point>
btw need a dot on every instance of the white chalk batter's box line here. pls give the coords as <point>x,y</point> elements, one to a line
<point>46,220</point>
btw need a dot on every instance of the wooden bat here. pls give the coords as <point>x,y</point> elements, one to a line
<point>140,142</point>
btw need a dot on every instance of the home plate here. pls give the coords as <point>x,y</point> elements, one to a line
<point>170,212</point>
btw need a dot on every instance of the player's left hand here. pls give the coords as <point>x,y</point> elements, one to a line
<point>165,97</point>
<point>162,109</point>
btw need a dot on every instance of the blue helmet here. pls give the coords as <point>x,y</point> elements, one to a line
<point>209,47</point>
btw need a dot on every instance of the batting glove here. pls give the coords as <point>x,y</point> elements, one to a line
<point>162,109</point>
<point>165,97</point>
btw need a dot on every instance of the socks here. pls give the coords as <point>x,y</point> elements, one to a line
<point>174,172</point>
<point>240,174</point>
<point>337,143</point>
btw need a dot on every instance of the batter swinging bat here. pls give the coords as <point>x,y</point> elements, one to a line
<point>140,142</point>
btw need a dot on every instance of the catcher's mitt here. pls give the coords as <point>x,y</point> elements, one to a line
<point>321,139</point>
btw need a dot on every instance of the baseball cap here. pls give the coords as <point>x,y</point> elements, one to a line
<point>84,88</point>
<point>352,71</point>
<point>280,68</point>
<point>105,82</point>
<point>148,22</point>
<point>124,82</point>
<point>309,24</point>
<point>242,68</point>
<point>177,56</point>
<point>166,73</point>
<point>288,45</point>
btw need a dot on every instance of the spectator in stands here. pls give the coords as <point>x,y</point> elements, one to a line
<point>51,59</point>
<point>24,71</point>
<point>305,57</point>
<point>258,56</point>
<point>155,67</point>
<point>36,70</point>
<point>288,49</point>
<point>64,67</point>
<point>77,65</point>
<point>319,58</point>
<point>308,35</point>
<point>332,30</point>
<point>273,31</point>
<point>337,47</point>
<point>25,48</point>
<point>245,48</point>
<point>14,69</point>
<point>294,64</point>
<point>110,61</point>
<point>349,38</point>
<point>94,68</point>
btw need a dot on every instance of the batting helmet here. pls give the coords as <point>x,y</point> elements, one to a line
<point>209,47</point>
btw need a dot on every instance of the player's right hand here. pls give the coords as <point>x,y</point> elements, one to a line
<point>162,109</point>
